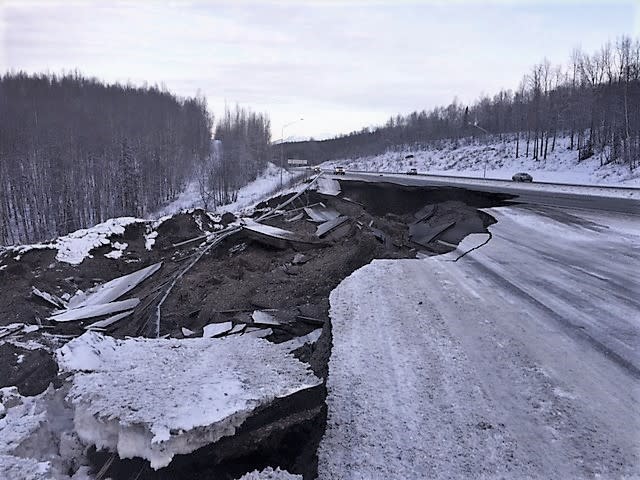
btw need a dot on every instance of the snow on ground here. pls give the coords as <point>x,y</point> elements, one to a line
<point>470,159</point>
<point>75,247</point>
<point>519,360</point>
<point>155,398</point>
<point>267,183</point>
<point>270,474</point>
<point>36,438</point>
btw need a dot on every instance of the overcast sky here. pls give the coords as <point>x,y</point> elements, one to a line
<point>339,65</point>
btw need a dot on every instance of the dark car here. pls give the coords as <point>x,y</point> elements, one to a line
<point>522,177</point>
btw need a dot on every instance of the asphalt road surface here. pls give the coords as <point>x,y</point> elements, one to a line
<point>519,360</point>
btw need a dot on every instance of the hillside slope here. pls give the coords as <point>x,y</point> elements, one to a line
<point>468,157</point>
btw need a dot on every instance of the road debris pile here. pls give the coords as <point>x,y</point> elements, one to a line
<point>198,344</point>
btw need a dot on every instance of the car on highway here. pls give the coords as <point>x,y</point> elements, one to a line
<point>316,170</point>
<point>339,171</point>
<point>412,171</point>
<point>522,177</point>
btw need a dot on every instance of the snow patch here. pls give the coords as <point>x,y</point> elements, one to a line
<point>267,183</point>
<point>118,250</point>
<point>36,443</point>
<point>270,474</point>
<point>75,247</point>
<point>150,239</point>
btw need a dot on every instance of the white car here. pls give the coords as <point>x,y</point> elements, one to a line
<point>339,171</point>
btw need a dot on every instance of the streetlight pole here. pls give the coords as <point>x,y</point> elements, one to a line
<point>475,124</point>
<point>282,147</point>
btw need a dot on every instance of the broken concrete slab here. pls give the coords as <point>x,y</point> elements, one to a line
<point>186,332</point>
<point>320,215</point>
<point>258,332</point>
<point>273,236</point>
<point>239,328</point>
<point>114,289</point>
<point>462,228</point>
<point>326,227</point>
<point>214,329</point>
<point>91,311</point>
<point>107,322</point>
<point>128,401</point>
<point>264,318</point>
<point>298,342</point>
<point>49,298</point>
<point>425,213</point>
<point>422,233</point>
<point>328,186</point>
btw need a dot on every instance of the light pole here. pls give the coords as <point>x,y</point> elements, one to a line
<point>475,124</point>
<point>282,147</point>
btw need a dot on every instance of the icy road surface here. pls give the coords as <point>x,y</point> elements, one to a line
<point>520,360</point>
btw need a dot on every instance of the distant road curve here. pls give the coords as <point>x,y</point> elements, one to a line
<point>612,199</point>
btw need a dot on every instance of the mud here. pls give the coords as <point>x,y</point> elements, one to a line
<point>229,282</point>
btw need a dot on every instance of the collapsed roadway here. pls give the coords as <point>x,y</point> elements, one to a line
<point>460,360</point>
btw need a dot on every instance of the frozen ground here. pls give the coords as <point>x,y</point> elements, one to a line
<point>470,159</point>
<point>520,360</point>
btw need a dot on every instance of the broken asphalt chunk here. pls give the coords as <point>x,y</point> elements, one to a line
<point>127,400</point>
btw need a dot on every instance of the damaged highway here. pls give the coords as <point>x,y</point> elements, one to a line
<point>151,357</point>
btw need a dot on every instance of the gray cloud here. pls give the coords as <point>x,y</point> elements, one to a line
<point>342,65</point>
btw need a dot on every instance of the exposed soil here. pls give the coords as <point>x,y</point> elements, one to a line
<point>229,282</point>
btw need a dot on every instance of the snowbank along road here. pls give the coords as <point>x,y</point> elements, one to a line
<point>519,360</point>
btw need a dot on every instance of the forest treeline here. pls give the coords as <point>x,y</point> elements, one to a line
<point>74,152</point>
<point>240,152</point>
<point>594,100</point>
